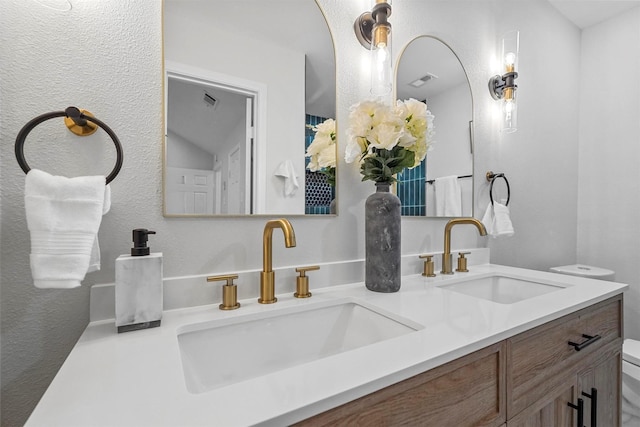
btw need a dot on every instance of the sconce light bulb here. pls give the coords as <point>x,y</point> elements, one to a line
<point>509,106</point>
<point>381,74</point>
<point>381,67</point>
<point>381,53</point>
<point>510,116</point>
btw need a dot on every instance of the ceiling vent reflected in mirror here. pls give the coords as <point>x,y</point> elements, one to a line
<point>210,101</point>
<point>422,80</point>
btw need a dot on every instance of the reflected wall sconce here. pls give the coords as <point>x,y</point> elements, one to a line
<point>503,87</point>
<point>373,31</point>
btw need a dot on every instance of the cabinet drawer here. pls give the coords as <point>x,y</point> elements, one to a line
<point>537,360</point>
<point>465,392</point>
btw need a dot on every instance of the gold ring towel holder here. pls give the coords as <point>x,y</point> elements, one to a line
<point>80,122</point>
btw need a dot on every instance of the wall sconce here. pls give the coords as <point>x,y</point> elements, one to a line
<point>373,31</point>
<point>503,86</point>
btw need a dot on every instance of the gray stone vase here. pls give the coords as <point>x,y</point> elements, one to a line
<point>382,240</point>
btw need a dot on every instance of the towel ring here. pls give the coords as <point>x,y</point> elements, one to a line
<point>492,177</point>
<point>79,119</point>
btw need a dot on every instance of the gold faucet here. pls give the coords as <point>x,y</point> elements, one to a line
<point>446,255</point>
<point>267,276</point>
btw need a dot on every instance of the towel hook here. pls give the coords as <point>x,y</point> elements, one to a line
<point>491,177</point>
<point>76,119</point>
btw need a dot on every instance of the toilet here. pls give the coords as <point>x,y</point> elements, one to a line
<point>631,383</point>
<point>585,271</point>
<point>630,350</point>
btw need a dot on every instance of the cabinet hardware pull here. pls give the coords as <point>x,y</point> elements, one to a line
<point>594,405</point>
<point>590,340</point>
<point>580,408</point>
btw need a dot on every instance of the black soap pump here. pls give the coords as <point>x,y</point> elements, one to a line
<point>140,238</point>
<point>139,285</point>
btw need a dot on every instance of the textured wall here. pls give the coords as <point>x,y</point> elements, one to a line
<point>105,56</point>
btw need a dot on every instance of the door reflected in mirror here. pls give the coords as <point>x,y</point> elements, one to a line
<point>442,186</point>
<point>209,136</point>
<point>246,87</point>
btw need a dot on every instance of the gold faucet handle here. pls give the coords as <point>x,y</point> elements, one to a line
<point>229,291</point>
<point>428,269</point>
<point>302,281</point>
<point>462,262</point>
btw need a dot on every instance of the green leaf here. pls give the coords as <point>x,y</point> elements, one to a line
<point>330,173</point>
<point>382,165</point>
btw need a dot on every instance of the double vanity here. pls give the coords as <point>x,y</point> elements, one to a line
<point>494,346</point>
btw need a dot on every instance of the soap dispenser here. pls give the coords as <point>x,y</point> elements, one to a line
<point>139,285</point>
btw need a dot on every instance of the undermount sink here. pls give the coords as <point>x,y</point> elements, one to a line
<point>502,289</point>
<point>223,352</point>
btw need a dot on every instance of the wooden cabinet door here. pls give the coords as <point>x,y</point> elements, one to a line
<point>468,391</point>
<point>538,359</point>
<point>553,411</point>
<point>599,386</point>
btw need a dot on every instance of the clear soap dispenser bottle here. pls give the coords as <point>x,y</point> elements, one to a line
<point>139,286</point>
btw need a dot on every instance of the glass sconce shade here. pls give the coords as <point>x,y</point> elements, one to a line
<point>503,87</point>
<point>381,61</point>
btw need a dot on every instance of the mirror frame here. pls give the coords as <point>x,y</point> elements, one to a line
<point>471,121</point>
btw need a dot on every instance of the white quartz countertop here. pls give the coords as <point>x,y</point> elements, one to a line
<point>136,378</point>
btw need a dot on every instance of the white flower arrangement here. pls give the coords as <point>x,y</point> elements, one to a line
<point>387,139</point>
<point>322,150</point>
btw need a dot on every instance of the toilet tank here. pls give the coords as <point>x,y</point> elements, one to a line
<point>585,271</point>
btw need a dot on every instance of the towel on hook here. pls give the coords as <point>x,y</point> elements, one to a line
<point>448,196</point>
<point>285,170</point>
<point>497,220</point>
<point>63,218</point>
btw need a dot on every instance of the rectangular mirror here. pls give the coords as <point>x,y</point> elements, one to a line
<point>245,87</point>
<point>442,186</point>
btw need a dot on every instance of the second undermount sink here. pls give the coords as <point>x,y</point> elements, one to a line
<point>502,289</point>
<point>216,354</point>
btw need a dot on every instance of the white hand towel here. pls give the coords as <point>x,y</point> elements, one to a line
<point>501,220</point>
<point>285,170</point>
<point>63,217</point>
<point>487,219</point>
<point>497,221</point>
<point>448,196</point>
<point>94,262</point>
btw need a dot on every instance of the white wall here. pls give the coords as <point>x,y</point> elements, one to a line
<point>184,154</point>
<point>451,154</point>
<point>452,133</point>
<point>106,57</point>
<point>540,159</point>
<point>609,174</point>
